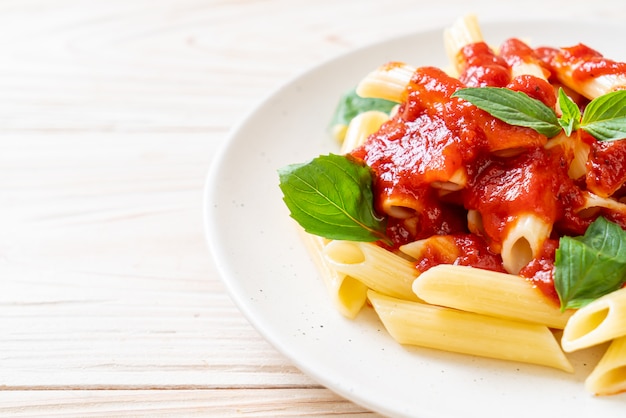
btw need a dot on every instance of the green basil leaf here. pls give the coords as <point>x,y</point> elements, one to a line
<point>605,116</point>
<point>608,130</point>
<point>608,106</point>
<point>351,105</point>
<point>590,266</point>
<point>331,196</point>
<point>513,107</point>
<point>570,118</point>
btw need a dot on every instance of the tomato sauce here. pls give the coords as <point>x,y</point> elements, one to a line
<point>606,167</point>
<point>588,63</point>
<point>515,52</point>
<point>540,271</point>
<point>508,169</point>
<point>584,63</point>
<point>472,251</point>
<point>433,136</point>
<point>534,87</point>
<point>481,67</point>
<point>532,182</point>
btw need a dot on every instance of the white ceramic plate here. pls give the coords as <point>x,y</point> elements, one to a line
<point>275,284</point>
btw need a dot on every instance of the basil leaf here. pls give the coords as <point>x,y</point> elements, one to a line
<point>590,266</point>
<point>351,105</point>
<point>513,107</point>
<point>605,116</point>
<point>570,118</point>
<point>331,196</point>
<point>608,130</point>
<point>608,106</point>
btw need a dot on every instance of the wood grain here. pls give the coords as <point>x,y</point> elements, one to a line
<point>249,403</point>
<point>111,113</point>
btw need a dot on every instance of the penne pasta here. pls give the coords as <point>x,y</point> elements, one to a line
<point>362,126</point>
<point>415,323</point>
<point>387,82</point>
<point>347,294</point>
<point>575,67</point>
<point>475,222</point>
<point>609,375</point>
<point>488,293</point>
<point>456,182</point>
<point>375,267</point>
<point>523,241</point>
<point>527,68</point>
<point>593,201</point>
<point>463,31</point>
<point>602,320</point>
<point>579,150</point>
<point>338,132</point>
<point>522,59</point>
<point>600,85</point>
<point>443,245</point>
<point>400,205</point>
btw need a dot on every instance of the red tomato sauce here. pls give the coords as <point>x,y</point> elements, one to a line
<point>508,170</point>
<point>515,52</point>
<point>482,67</point>
<point>540,271</point>
<point>606,167</point>
<point>535,88</point>
<point>432,136</point>
<point>472,251</point>
<point>532,182</point>
<point>585,63</point>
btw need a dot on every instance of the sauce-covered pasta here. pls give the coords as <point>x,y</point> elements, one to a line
<point>487,205</point>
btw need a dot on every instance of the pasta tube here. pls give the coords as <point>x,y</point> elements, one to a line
<point>488,293</point>
<point>463,31</point>
<point>579,149</point>
<point>447,329</point>
<point>443,245</point>
<point>376,267</point>
<point>362,126</point>
<point>593,201</point>
<point>523,241</point>
<point>387,82</point>
<point>609,375</point>
<point>522,59</point>
<point>347,294</point>
<point>456,182</point>
<point>401,205</point>
<point>602,320</point>
<point>569,61</point>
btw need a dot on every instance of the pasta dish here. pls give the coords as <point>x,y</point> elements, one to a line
<point>480,208</point>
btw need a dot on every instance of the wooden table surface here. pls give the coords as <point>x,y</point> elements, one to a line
<point>110,115</point>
